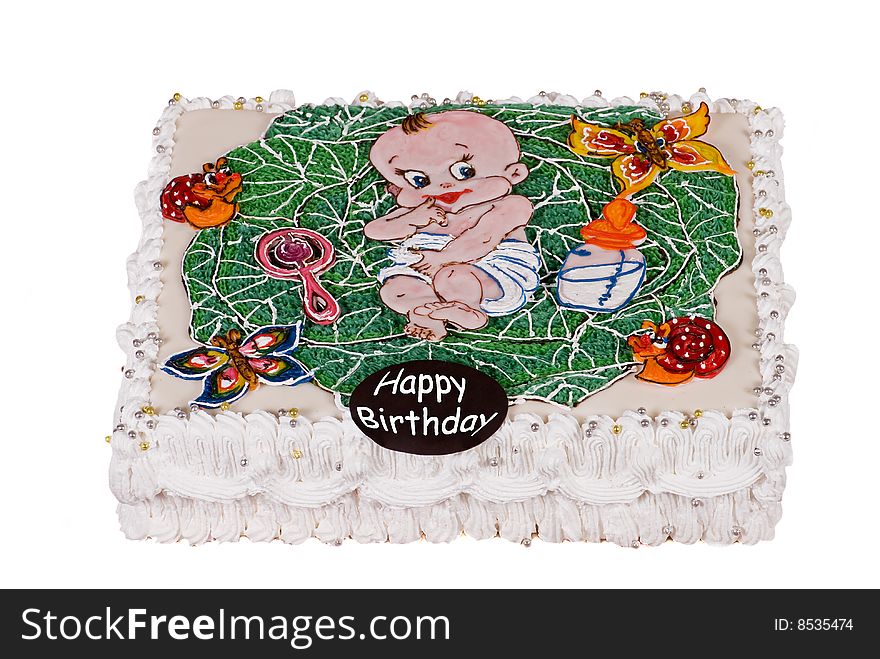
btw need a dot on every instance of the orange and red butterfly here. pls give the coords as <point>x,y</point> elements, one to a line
<point>231,367</point>
<point>641,153</point>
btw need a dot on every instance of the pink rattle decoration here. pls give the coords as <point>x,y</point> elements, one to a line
<point>297,253</point>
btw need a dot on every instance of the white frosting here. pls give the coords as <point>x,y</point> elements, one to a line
<point>206,477</point>
<point>228,456</point>
<point>747,516</point>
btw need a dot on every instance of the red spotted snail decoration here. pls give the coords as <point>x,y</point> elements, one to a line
<point>679,350</point>
<point>206,199</point>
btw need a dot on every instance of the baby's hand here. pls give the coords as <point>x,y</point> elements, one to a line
<point>426,213</point>
<point>432,261</point>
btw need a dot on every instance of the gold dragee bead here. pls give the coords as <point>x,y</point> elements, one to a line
<point>108,438</point>
<point>643,95</point>
<point>144,446</point>
<point>363,98</point>
<point>616,429</point>
<point>148,409</point>
<point>685,424</point>
<point>224,406</point>
<point>685,107</point>
<point>296,453</point>
<point>759,172</point>
<point>258,99</point>
<point>765,212</point>
<point>750,164</point>
<point>237,105</point>
<point>758,109</point>
<point>698,413</point>
<point>139,299</point>
<point>293,412</point>
<point>176,96</point>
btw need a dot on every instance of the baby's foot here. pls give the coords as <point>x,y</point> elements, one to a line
<point>423,327</point>
<point>459,313</point>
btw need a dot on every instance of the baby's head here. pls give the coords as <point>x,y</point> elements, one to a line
<point>459,158</point>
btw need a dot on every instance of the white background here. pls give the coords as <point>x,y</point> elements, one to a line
<point>82,88</point>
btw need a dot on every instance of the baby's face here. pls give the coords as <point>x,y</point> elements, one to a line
<point>463,158</point>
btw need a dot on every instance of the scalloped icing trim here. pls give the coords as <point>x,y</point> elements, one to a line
<point>202,477</point>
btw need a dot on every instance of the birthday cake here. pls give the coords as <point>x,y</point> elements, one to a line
<point>548,317</point>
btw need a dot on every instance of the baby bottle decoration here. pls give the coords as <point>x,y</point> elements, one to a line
<point>604,273</point>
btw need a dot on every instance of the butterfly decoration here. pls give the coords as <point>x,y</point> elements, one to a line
<point>231,367</point>
<point>641,153</point>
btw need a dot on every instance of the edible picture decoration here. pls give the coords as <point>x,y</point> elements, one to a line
<point>641,153</point>
<point>457,234</point>
<point>604,273</point>
<point>231,367</point>
<point>680,350</point>
<point>206,199</point>
<point>428,407</point>
<point>302,254</point>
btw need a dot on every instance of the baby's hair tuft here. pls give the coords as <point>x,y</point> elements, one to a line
<point>415,123</point>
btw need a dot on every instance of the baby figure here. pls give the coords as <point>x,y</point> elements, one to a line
<point>460,251</point>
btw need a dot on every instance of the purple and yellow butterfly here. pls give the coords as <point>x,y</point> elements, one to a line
<point>231,367</point>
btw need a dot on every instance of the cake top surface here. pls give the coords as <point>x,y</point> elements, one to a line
<point>585,259</point>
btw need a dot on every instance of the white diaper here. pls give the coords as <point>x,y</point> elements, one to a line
<point>514,265</point>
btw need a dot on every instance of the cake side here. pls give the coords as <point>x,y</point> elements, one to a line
<point>708,474</point>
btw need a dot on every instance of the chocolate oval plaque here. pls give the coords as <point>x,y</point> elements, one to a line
<point>428,407</point>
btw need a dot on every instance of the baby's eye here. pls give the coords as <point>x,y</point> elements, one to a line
<point>416,178</point>
<point>462,170</point>
<point>210,179</point>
